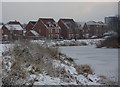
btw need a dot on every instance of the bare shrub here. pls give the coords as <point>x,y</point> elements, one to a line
<point>110,42</point>
<point>72,44</point>
<point>105,43</point>
<point>63,44</point>
<point>83,43</point>
<point>87,69</point>
<point>100,44</point>
<point>106,81</point>
<point>27,54</point>
<point>53,51</point>
<point>81,69</point>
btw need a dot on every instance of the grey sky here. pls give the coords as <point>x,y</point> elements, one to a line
<point>79,11</point>
<point>0,11</point>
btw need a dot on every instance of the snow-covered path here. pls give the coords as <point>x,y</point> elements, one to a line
<point>104,61</point>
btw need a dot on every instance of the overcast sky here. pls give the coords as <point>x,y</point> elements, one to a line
<point>79,11</point>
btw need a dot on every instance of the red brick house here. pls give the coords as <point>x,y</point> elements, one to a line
<point>68,28</point>
<point>96,28</point>
<point>15,30</point>
<point>84,28</point>
<point>48,28</point>
<point>85,31</point>
<point>5,33</point>
<point>30,25</point>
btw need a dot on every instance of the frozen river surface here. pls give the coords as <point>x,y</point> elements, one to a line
<point>104,61</point>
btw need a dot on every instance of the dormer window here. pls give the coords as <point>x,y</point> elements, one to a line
<point>56,25</point>
<point>50,25</point>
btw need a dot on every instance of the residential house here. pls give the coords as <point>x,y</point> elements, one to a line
<point>5,33</point>
<point>96,28</point>
<point>47,27</point>
<point>84,28</point>
<point>30,25</point>
<point>15,30</point>
<point>69,29</point>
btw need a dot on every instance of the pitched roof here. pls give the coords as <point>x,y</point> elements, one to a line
<point>81,24</point>
<point>95,23</point>
<point>68,23</point>
<point>65,20</point>
<point>35,33</point>
<point>15,22</point>
<point>49,22</point>
<point>13,27</point>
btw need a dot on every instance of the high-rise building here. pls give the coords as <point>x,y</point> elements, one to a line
<point>112,22</point>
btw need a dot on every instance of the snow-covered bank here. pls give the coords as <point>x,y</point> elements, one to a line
<point>33,64</point>
<point>72,42</point>
<point>104,61</point>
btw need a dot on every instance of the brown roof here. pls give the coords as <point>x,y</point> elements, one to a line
<point>48,21</point>
<point>67,20</point>
<point>15,22</point>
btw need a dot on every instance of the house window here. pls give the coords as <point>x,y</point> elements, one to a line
<point>39,31</point>
<point>2,31</point>
<point>50,25</point>
<point>51,36</point>
<point>56,25</point>
<point>51,30</point>
<point>70,36</point>
<point>56,30</point>
<point>86,30</point>
<point>5,37</point>
<point>11,31</point>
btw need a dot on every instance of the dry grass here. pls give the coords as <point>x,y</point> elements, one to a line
<point>82,69</point>
<point>25,54</point>
<point>105,81</point>
<point>83,43</point>
<point>74,43</point>
<point>108,44</point>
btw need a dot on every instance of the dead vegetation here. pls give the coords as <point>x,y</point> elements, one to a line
<point>84,69</point>
<point>26,54</point>
<point>110,42</point>
<point>72,43</point>
<point>28,58</point>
